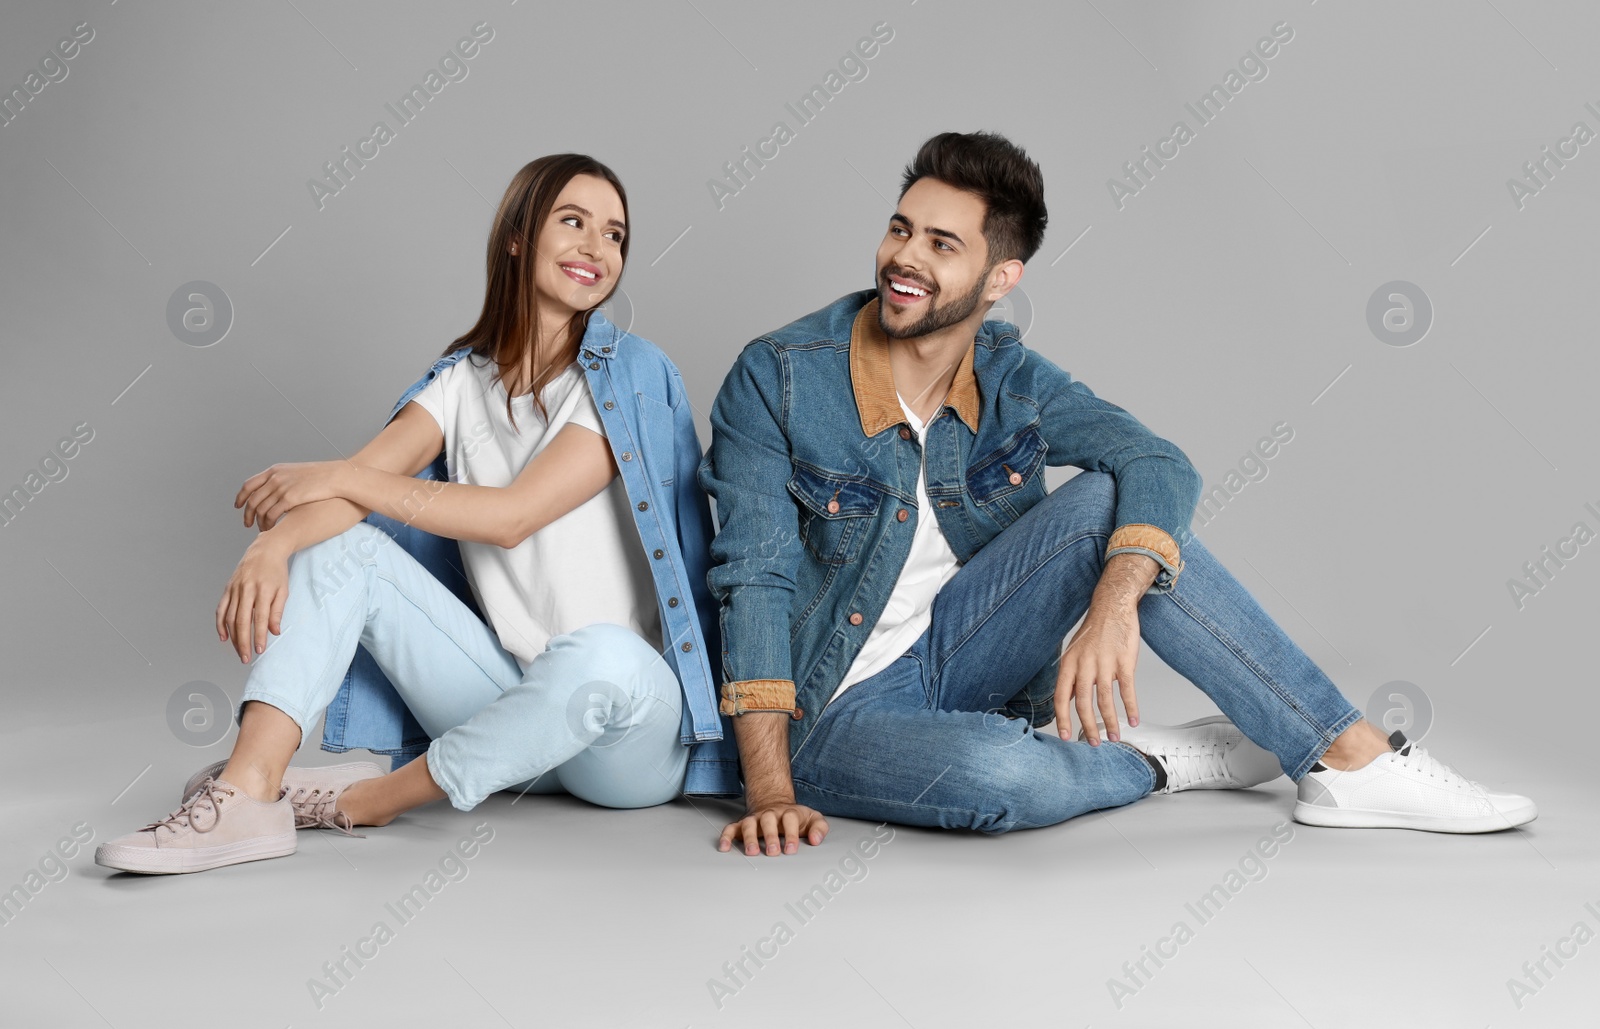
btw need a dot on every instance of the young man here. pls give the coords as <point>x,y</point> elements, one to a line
<point>895,580</point>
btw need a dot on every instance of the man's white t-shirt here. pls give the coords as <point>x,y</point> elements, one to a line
<point>909,611</point>
<point>588,565</point>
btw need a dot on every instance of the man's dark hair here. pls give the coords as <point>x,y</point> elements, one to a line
<point>1001,174</point>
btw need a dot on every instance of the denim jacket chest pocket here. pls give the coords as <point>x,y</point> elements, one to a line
<point>1010,480</point>
<point>836,514</point>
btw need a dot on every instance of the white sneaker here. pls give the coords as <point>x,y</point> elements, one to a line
<point>312,791</point>
<point>1407,788</point>
<point>1206,754</point>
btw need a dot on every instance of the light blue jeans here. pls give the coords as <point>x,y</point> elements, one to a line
<point>596,714</point>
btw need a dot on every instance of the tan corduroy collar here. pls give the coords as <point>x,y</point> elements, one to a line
<point>873,380</point>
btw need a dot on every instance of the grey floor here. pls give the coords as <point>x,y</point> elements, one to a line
<point>569,915</point>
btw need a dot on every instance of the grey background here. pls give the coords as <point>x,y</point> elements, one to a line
<point>1228,296</point>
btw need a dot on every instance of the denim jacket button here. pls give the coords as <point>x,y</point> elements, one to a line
<point>672,601</point>
<point>833,507</point>
<point>1016,478</point>
<point>855,618</point>
<point>660,553</point>
<point>627,455</point>
<point>799,713</point>
<point>644,505</point>
<point>609,405</point>
<point>901,514</point>
<point>688,647</point>
<point>594,366</point>
<point>905,433</point>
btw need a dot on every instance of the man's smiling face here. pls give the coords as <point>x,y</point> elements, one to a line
<point>933,263</point>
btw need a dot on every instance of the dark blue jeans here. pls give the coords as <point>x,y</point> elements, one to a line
<point>934,739</point>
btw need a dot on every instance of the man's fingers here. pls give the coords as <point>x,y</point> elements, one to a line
<point>1130,703</point>
<point>1085,711</point>
<point>818,831</point>
<point>1108,707</point>
<point>791,831</point>
<point>769,832</point>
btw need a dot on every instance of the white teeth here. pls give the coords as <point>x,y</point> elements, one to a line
<point>579,271</point>
<point>914,291</point>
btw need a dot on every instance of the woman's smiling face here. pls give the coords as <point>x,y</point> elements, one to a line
<point>578,256</point>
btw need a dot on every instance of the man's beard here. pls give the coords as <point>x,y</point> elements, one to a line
<point>935,318</point>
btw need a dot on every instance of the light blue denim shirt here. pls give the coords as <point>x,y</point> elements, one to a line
<point>650,426</point>
<point>814,474</point>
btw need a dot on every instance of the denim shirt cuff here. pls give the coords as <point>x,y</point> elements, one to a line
<point>1153,542</point>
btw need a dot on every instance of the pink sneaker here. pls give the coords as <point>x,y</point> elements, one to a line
<point>218,824</point>
<point>313,792</point>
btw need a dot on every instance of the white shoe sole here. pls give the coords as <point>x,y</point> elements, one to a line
<point>176,860</point>
<point>1362,818</point>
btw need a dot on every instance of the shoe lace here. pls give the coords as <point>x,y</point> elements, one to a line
<point>208,796</point>
<point>314,809</point>
<point>1418,758</point>
<point>1193,763</point>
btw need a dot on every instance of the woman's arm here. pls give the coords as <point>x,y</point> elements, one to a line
<point>252,602</point>
<point>576,466</point>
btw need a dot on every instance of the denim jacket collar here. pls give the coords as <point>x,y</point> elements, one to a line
<point>872,379</point>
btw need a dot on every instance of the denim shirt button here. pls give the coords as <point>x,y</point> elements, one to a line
<point>609,405</point>
<point>672,601</point>
<point>644,505</point>
<point>901,514</point>
<point>905,433</point>
<point>688,647</point>
<point>660,553</point>
<point>594,366</point>
<point>627,455</point>
<point>855,618</point>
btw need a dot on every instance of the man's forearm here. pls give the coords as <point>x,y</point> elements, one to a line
<point>764,754</point>
<point>1123,583</point>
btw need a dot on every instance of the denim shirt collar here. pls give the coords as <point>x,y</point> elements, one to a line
<point>872,379</point>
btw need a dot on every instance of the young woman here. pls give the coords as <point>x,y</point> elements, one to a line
<point>569,448</point>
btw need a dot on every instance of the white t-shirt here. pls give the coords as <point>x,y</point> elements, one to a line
<point>909,611</point>
<point>588,565</point>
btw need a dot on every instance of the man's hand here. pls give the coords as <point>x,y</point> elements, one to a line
<point>1105,648</point>
<point>766,820</point>
<point>267,496</point>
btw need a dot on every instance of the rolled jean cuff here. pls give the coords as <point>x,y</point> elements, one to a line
<point>753,695</point>
<point>300,718</point>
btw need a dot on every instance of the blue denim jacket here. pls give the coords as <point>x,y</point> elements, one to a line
<point>814,473</point>
<point>650,425</point>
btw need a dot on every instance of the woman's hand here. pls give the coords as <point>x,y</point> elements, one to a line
<point>252,602</point>
<point>267,496</point>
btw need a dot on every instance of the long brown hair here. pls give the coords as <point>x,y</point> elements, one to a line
<point>509,324</point>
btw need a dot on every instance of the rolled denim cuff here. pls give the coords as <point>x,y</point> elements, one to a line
<point>739,698</point>
<point>1153,542</point>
